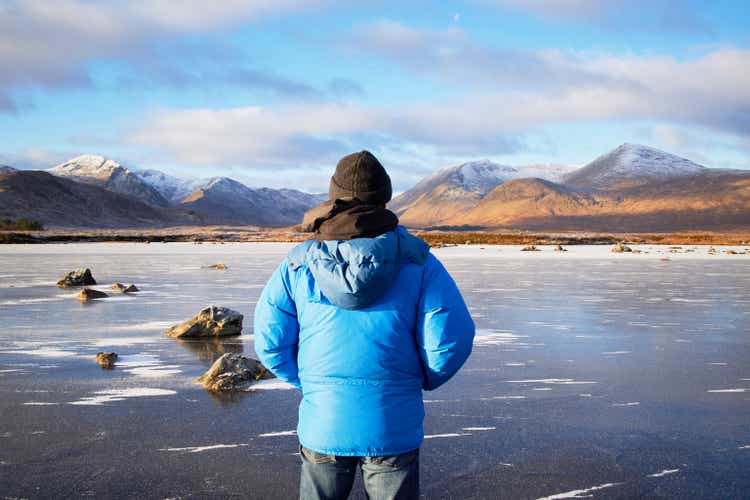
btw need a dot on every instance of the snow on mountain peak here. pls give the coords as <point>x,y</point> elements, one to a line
<point>632,163</point>
<point>86,166</point>
<point>645,160</point>
<point>477,176</point>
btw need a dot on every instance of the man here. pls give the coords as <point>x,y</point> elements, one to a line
<point>361,319</point>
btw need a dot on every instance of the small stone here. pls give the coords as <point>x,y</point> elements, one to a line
<point>233,372</point>
<point>621,247</point>
<point>79,277</point>
<point>220,266</point>
<point>124,289</point>
<point>530,248</point>
<point>559,248</point>
<point>106,359</point>
<point>88,294</point>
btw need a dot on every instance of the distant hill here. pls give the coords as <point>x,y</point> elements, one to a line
<point>227,201</point>
<point>632,188</point>
<point>102,172</point>
<point>449,191</point>
<point>173,189</point>
<point>454,190</point>
<point>5,169</point>
<point>631,165</point>
<point>519,200</point>
<point>708,200</point>
<point>61,202</point>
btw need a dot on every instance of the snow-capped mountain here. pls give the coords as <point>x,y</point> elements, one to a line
<point>632,165</point>
<point>227,201</point>
<point>548,172</point>
<point>173,189</point>
<point>5,169</point>
<point>100,171</point>
<point>474,176</point>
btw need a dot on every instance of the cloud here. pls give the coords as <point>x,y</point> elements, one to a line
<point>452,56</point>
<point>50,43</point>
<point>711,91</point>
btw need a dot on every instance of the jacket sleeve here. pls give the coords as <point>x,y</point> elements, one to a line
<point>276,329</point>
<point>445,330</point>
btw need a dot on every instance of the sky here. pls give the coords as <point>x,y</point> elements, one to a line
<point>274,92</point>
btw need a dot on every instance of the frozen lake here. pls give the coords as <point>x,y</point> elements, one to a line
<point>593,374</point>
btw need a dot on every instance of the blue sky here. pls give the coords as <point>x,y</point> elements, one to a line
<point>273,92</point>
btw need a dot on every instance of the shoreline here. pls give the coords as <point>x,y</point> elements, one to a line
<point>254,234</point>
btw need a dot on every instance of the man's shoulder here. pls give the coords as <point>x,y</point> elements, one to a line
<point>297,256</point>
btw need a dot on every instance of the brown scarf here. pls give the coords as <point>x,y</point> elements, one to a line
<point>346,220</point>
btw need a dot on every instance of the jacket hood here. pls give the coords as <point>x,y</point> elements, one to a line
<point>354,273</point>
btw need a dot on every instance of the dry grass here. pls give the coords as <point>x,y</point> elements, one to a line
<point>220,234</point>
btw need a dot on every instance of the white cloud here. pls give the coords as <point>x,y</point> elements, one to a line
<point>711,91</point>
<point>48,43</point>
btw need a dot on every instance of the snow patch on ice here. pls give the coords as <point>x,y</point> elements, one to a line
<point>270,385</point>
<point>278,433</point>
<point>584,493</point>
<point>198,449</point>
<point>663,473</point>
<point>112,395</point>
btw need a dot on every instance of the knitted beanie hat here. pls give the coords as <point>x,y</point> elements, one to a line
<point>360,175</point>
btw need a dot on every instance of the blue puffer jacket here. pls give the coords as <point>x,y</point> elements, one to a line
<point>361,327</point>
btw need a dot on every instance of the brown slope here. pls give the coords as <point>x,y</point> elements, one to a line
<point>60,202</point>
<point>522,199</point>
<point>435,206</point>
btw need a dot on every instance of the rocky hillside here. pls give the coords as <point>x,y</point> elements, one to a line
<point>102,172</point>
<point>449,191</point>
<point>226,201</point>
<point>173,189</point>
<point>631,165</point>
<point>60,202</point>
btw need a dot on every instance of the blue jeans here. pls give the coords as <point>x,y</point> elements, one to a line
<point>394,477</point>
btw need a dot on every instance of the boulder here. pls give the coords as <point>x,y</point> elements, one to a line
<point>220,266</point>
<point>559,248</point>
<point>125,289</point>
<point>79,277</point>
<point>106,359</point>
<point>88,294</point>
<point>621,248</point>
<point>712,251</point>
<point>530,248</point>
<point>213,321</point>
<point>232,372</point>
